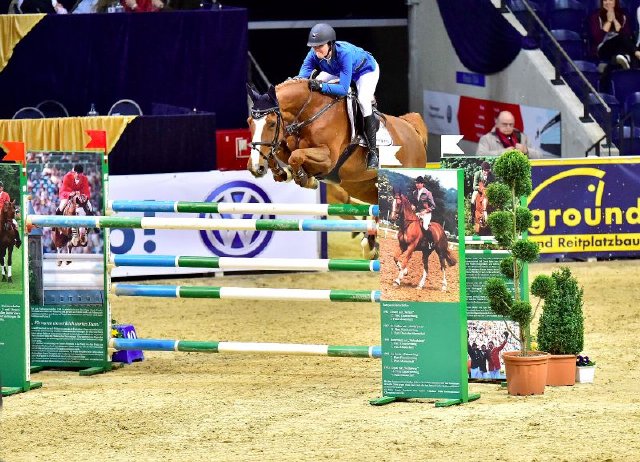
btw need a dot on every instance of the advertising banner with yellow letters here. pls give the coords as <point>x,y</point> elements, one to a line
<point>586,207</point>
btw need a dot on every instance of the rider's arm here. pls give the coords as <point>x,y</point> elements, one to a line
<point>346,74</point>
<point>309,65</point>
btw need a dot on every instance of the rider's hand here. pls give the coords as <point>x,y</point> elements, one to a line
<point>315,85</point>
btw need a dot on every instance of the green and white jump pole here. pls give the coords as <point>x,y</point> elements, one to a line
<point>237,207</point>
<point>232,263</point>
<point>343,351</point>
<point>364,226</point>
<point>245,293</point>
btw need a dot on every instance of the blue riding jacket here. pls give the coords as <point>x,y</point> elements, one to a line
<point>348,62</point>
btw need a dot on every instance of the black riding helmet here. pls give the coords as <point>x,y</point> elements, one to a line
<point>320,34</point>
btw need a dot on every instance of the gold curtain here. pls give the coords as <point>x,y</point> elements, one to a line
<point>63,134</point>
<point>14,28</point>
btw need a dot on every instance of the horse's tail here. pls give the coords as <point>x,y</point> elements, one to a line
<point>451,260</point>
<point>417,122</point>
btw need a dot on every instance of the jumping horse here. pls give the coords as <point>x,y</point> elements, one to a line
<point>65,238</point>
<point>412,237</point>
<point>7,239</point>
<point>308,137</point>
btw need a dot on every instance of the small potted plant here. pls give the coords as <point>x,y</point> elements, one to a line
<point>561,328</point>
<point>585,369</point>
<point>526,370</point>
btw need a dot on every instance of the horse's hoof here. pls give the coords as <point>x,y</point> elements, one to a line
<point>10,280</point>
<point>68,262</point>
<point>59,263</point>
<point>4,279</point>
<point>396,283</point>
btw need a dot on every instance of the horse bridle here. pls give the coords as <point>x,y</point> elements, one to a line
<point>292,129</point>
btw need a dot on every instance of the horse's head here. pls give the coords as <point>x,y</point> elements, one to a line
<point>266,129</point>
<point>9,210</point>
<point>396,205</point>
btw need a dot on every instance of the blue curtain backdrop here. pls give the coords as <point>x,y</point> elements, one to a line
<point>484,40</point>
<point>195,59</point>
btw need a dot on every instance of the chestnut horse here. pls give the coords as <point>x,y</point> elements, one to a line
<point>7,239</point>
<point>479,221</point>
<point>66,238</point>
<point>306,136</point>
<point>412,237</point>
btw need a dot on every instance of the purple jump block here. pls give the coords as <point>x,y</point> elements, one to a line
<point>127,356</point>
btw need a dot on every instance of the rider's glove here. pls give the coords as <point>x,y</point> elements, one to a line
<point>315,85</point>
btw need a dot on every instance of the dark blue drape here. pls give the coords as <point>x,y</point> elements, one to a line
<point>166,144</point>
<point>483,39</point>
<point>195,59</point>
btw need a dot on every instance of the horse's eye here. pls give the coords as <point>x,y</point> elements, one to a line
<point>271,124</point>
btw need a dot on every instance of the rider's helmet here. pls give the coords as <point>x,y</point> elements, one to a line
<point>78,168</point>
<point>320,34</point>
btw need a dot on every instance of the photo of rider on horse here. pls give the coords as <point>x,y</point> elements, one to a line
<point>419,210</point>
<point>11,267</point>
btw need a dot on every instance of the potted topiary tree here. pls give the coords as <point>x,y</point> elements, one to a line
<point>561,328</point>
<point>526,370</point>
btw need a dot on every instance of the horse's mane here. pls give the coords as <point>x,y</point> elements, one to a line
<point>291,82</point>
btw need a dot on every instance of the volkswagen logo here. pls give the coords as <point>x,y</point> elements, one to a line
<point>232,243</point>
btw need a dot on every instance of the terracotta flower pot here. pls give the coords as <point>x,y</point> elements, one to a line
<point>526,375</point>
<point>561,370</point>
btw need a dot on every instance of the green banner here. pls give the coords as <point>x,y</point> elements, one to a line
<point>423,284</point>
<point>70,319</point>
<point>14,324</point>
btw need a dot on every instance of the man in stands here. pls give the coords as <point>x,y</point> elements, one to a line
<point>4,197</point>
<point>505,136</point>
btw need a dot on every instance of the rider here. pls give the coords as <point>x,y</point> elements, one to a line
<point>4,197</point>
<point>345,62</point>
<point>424,203</point>
<point>75,181</point>
<point>487,177</point>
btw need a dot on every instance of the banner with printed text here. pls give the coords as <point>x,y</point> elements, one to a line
<point>586,207</point>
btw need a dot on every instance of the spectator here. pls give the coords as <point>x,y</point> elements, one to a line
<point>142,6</point>
<point>42,6</point>
<point>505,136</point>
<point>611,37</point>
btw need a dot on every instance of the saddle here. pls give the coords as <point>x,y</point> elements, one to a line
<point>356,122</point>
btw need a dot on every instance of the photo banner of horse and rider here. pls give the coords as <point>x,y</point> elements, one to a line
<point>14,352</point>
<point>67,292</point>
<point>478,175</point>
<point>423,282</point>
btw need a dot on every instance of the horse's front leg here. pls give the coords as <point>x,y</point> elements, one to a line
<point>403,262</point>
<point>4,274</point>
<point>306,163</point>
<point>9,263</point>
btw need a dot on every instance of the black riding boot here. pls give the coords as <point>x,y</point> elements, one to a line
<point>18,241</point>
<point>370,129</point>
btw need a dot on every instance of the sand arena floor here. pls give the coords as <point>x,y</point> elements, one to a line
<point>198,407</point>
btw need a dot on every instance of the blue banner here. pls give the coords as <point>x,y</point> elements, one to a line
<point>586,207</point>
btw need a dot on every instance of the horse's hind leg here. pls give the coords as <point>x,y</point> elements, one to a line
<point>425,269</point>
<point>9,263</point>
<point>443,267</point>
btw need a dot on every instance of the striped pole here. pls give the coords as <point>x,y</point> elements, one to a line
<point>240,207</point>
<point>343,351</point>
<point>230,263</point>
<point>366,226</point>
<point>245,293</point>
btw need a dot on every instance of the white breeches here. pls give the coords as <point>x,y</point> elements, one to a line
<point>425,217</point>
<point>366,86</point>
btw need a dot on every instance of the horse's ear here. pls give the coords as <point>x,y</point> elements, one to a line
<point>252,91</point>
<point>272,94</point>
